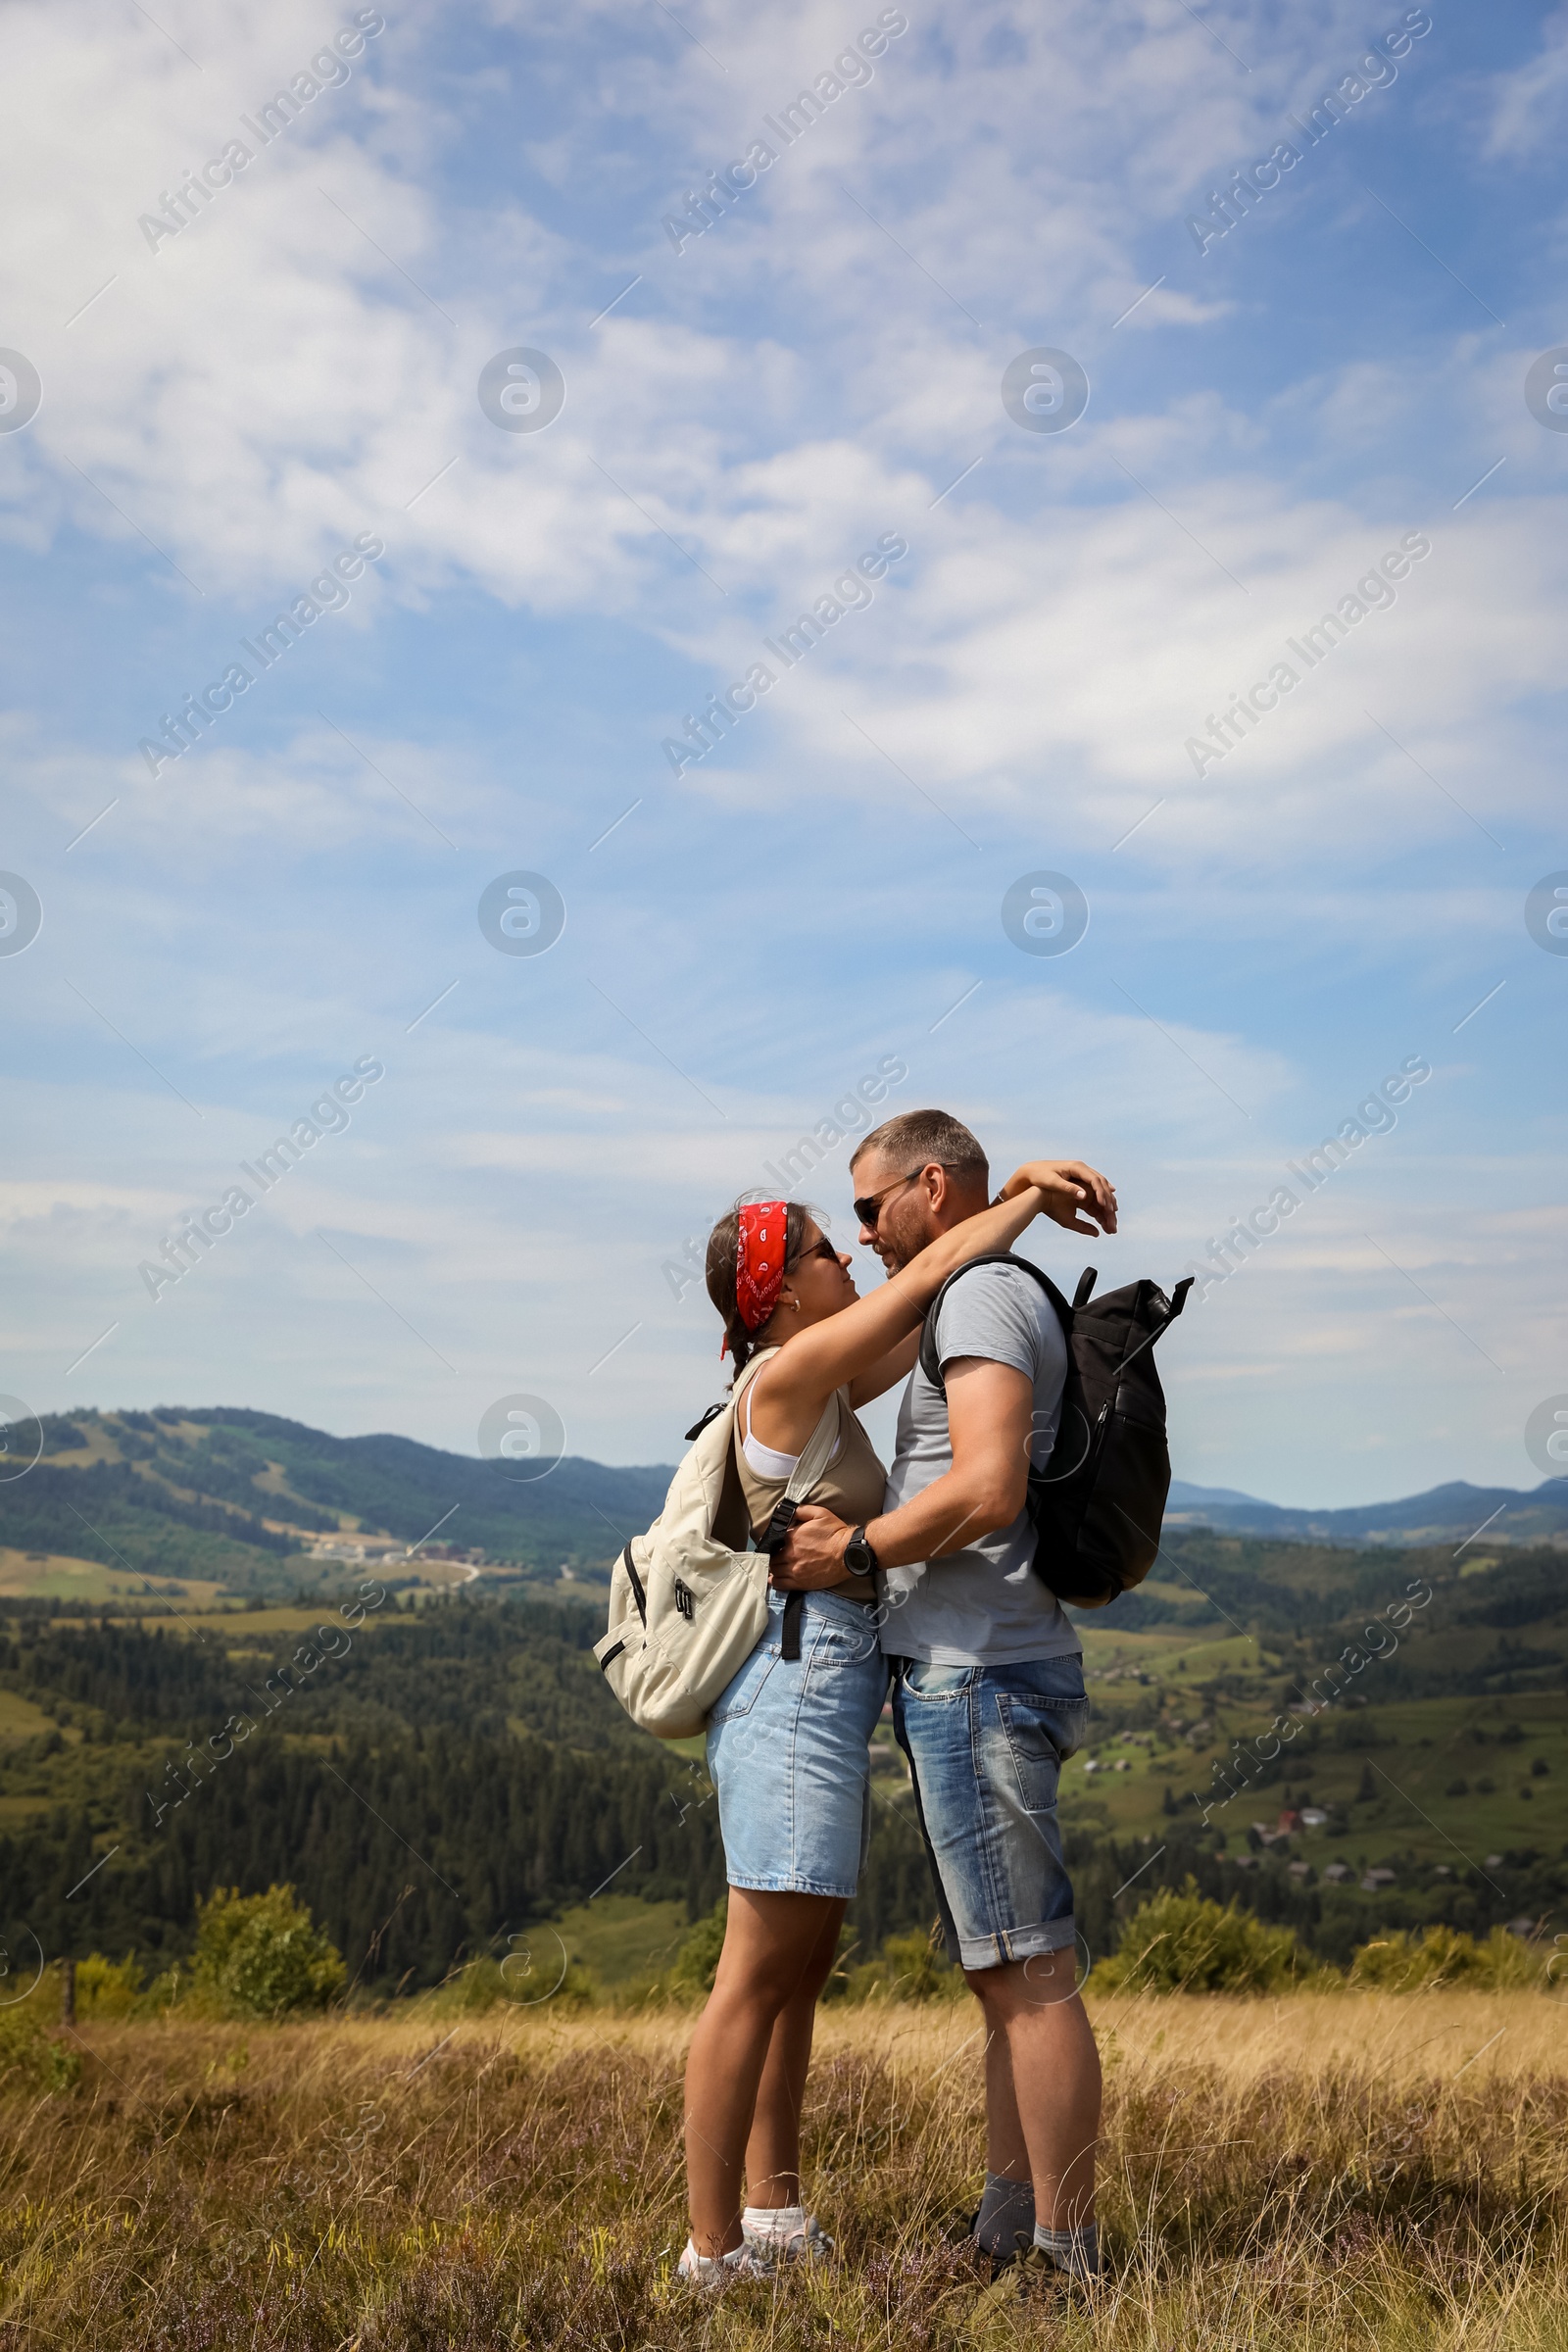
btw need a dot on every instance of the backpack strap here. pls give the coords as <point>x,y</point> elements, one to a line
<point>804,1477</point>
<point>818,1453</point>
<point>930,1359</point>
<point>638,1594</point>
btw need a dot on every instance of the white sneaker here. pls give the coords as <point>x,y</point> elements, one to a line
<point>711,2270</point>
<point>789,2235</point>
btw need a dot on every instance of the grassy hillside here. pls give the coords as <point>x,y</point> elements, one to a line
<point>224,1499</point>
<point>1261,1680</point>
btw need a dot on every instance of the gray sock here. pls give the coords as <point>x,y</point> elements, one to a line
<point>1006,2215</point>
<point>1075,2251</point>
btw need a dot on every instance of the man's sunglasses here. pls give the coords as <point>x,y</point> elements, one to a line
<point>871,1207</point>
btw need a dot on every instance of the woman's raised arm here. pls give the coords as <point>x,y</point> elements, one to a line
<point>831,1354</point>
<point>1073,1193</point>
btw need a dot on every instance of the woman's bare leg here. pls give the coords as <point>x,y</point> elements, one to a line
<point>771,1947</point>
<point>773,2151</point>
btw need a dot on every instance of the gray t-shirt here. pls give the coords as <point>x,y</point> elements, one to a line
<point>984,1605</point>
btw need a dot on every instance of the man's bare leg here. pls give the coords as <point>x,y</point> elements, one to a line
<point>1046,2090</point>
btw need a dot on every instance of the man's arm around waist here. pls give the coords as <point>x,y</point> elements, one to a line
<point>991,1421</point>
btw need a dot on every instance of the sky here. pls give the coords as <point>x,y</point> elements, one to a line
<point>970,360</point>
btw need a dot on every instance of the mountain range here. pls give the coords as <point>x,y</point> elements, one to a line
<point>1454,1512</point>
<point>250,1502</point>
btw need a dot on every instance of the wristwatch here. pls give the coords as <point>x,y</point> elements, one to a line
<point>858,1558</point>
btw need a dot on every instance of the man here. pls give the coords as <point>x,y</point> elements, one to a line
<point>987,1691</point>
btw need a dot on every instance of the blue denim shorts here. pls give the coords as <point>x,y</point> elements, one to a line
<point>986,1746</point>
<point>789,1751</point>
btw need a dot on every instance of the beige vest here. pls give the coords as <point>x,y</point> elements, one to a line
<point>853,1485</point>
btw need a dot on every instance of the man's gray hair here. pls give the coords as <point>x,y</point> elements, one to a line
<point>917,1137</point>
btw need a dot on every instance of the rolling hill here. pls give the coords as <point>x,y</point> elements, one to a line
<point>248,1503</point>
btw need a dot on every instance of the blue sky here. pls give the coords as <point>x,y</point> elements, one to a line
<point>229,403</point>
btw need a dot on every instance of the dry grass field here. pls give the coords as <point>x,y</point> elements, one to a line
<point>1324,2171</point>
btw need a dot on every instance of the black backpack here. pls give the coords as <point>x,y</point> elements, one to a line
<point>1096,1505</point>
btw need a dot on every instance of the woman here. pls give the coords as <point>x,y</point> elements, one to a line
<point>788,1741</point>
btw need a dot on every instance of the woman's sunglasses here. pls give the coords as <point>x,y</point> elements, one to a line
<point>819,1248</point>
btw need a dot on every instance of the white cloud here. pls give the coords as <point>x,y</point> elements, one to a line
<point>279,383</point>
<point>1530,102</point>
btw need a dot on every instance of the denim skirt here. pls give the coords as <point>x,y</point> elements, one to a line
<point>789,1751</point>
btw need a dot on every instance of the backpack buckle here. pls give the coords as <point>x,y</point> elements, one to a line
<point>778,1527</point>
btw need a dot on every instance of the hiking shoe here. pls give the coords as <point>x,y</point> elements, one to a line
<point>961,2232</point>
<point>713,2271</point>
<point>796,2241</point>
<point>996,2266</point>
<point>1030,2275</point>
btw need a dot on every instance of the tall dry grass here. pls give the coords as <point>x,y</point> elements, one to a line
<point>1307,2171</point>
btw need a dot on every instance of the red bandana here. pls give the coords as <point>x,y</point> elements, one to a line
<point>760,1260</point>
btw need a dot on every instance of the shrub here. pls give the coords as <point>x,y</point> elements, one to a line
<point>1423,1960</point>
<point>263,1956</point>
<point>31,2056</point>
<point>107,1988</point>
<point>1185,1943</point>
<point>908,1968</point>
<point>528,1978</point>
<point>697,1961</point>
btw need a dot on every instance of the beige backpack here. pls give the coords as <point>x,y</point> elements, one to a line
<point>688,1602</point>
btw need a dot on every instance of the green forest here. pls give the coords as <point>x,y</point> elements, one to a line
<point>438,1772</point>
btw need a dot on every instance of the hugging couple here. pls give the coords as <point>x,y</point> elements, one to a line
<point>922,1575</point>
